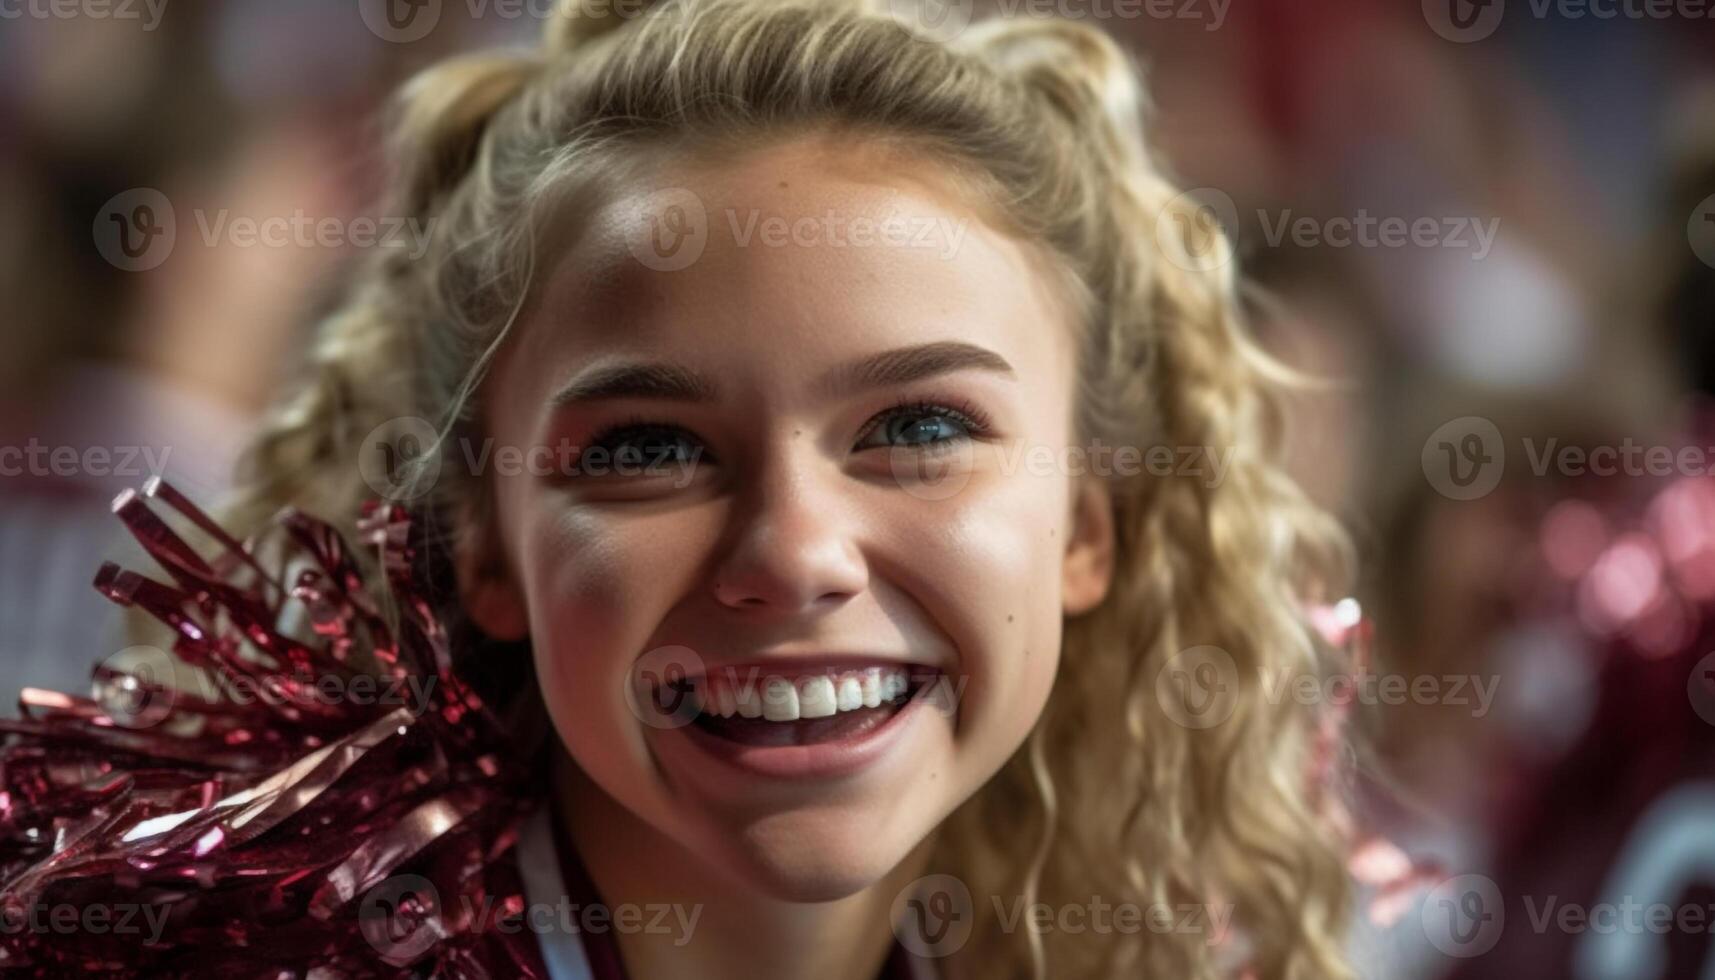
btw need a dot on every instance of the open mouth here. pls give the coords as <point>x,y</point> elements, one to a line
<point>751,707</point>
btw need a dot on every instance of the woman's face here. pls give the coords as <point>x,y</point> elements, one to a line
<point>767,534</point>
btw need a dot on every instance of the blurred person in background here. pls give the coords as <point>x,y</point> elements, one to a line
<point>149,324</point>
<point>1587,599</point>
<point>1320,109</point>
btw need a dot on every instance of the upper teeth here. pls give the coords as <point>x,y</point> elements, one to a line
<point>776,698</point>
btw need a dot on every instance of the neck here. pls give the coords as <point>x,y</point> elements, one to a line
<point>715,927</point>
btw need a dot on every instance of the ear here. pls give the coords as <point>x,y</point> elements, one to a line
<point>1088,569</point>
<point>488,590</point>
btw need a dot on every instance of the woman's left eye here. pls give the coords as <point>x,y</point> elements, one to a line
<point>924,424</point>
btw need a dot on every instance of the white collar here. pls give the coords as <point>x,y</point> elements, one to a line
<point>539,865</point>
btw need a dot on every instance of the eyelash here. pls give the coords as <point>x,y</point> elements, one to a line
<point>972,419</point>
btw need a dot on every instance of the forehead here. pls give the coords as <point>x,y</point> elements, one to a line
<point>790,257</point>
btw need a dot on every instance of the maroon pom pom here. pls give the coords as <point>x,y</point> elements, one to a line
<point>328,799</point>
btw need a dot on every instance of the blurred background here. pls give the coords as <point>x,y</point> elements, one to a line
<point>1494,222</point>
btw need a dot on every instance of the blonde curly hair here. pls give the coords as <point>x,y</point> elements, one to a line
<point>1111,795</point>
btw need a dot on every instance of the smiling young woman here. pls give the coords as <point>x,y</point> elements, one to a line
<point>804,287</point>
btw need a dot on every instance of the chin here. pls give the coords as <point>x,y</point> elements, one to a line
<point>799,858</point>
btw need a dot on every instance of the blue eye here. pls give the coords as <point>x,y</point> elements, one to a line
<point>925,424</point>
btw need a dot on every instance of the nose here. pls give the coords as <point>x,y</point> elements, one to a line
<point>791,550</point>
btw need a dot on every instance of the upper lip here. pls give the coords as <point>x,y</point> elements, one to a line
<point>795,664</point>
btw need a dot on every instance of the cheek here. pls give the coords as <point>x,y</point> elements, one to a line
<point>987,565</point>
<point>597,588</point>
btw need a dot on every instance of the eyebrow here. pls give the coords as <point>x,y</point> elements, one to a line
<point>665,381</point>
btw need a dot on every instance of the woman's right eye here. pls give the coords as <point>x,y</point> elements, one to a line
<point>644,444</point>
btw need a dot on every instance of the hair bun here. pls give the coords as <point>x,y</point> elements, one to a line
<point>441,114</point>
<point>578,22</point>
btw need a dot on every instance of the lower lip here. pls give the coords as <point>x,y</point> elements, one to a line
<point>822,760</point>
